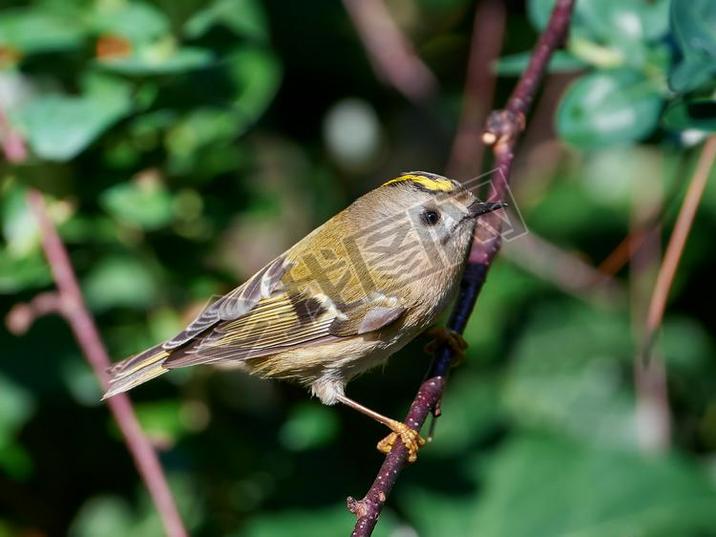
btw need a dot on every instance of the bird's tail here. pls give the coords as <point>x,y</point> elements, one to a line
<point>136,370</point>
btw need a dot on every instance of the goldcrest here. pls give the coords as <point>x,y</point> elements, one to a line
<point>340,301</point>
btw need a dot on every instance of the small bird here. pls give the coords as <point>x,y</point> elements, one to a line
<point>340,301</point>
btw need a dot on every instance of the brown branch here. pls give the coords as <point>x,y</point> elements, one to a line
<point>677,241</point>
<point>21,316</point>
<point>502,132</point>
<point>487,35</point>
<point>13,146</point>
<point>532,253</point>
<point>623,252</point>
<point>392,56</point>
<point>68,302</point>
<point>75,311</point>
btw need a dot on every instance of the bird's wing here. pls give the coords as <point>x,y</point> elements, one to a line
<point>368,315</point>
<point>235,304</point>
<point>270,313</point>
<point>286,320</point>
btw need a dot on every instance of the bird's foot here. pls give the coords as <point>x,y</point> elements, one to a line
<point>410,437</point>
<point>446,336</point>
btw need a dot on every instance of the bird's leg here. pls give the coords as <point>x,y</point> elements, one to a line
<point>449,337</point>
<point>410,437</point>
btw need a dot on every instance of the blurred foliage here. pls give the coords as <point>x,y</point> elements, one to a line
<point>641,57</point>
<point>182,144</point>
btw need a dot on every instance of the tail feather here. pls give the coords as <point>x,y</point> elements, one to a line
<point>136,370</point>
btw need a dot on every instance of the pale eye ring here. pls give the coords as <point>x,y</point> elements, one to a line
<point>430,217</point>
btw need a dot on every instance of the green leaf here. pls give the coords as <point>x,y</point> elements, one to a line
<point>161,58</point>
<point>81,382</point>
<point>472,404</point>
<point>33,30</point>
<point>28,271</point>
<point>200,128</point>
<point>309,426</point>
<point>59,127</point>
<point>685,345</point>
<point>120,282</point>
<point>509,289</point>
<point>137,22</point>
<point>611,176</point>
<point>608,108</point>
<point>256,74</point>
<point>161,420</point>
<point>515,64</point>
<point>142,203</point>
<point>567,376</point>
<point>622,22</point>
<point>611,32</point>
<point>311,523</point>
<point>569,209</point>
<point>244,17</point>
<point>108,516</point>
<point>89,229</point>
<point>539,11</point>
<point>18,224</point>
<point>103,517</point>
<point>690,113</point>
<point>691,73</point>
<point>693,23</point>
<point>15,461</point>
<point>18,406</point>
<point>546,487</point>
<point>610,20</point>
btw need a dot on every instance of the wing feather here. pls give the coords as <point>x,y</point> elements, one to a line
<point>284,321</point>
<point>235,304</point>
<point>262,317</point>
<point>275,323</point>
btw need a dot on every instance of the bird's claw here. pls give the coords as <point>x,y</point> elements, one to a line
<point>410,437</point>
<point>451,338</point>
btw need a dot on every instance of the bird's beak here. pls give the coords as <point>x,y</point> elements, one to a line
<point>478,208</point>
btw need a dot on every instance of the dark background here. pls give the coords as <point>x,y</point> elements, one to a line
<point>209,167</point>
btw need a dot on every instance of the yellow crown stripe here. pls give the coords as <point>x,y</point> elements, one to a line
<point>434,184</point>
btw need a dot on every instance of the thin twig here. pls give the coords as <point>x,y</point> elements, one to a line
<point>502,132</point>
<point>677,241</point>
<point>630,245</point>
<point>68,301</point>
<point>620,256</point>
<point>392,56</point>
<point>466,155</point>
<point>532,253</point>
<point>85,331</point>
<point>487,35</point>
<point>21,316</point>
<point>13,146</point>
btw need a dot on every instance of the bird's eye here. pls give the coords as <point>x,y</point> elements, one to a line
<point>431,217</point>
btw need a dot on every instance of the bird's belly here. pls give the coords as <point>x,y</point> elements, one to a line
<point>340,359</point>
